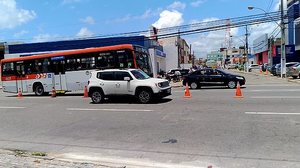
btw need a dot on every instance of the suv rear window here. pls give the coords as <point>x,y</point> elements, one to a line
<point>120,75</point>
<point>105,75</point>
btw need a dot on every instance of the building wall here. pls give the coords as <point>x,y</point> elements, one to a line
<point>177,50</point>
<point>158,61</point>
<point>293,13</point>
<point>172,56</point>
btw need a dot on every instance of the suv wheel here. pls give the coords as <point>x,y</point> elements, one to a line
<point>144,96</point>
<point>231,84</point>
<point>194,85</point>
<point>97,96</point>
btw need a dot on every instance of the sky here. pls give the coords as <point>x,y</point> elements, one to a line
<point>52,20</point>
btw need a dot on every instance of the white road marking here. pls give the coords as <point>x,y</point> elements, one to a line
<point>271,113</point>
<point>275,97</point>
<point>276,90</point>
<point>86,109</point>
<point>4,107</point>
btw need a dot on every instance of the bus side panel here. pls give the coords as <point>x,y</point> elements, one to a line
<point>9,86</point>
<point>77,80</point>
<point>22,84</point>
<point>46,79</point>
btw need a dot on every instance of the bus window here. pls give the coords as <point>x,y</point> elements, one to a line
<point>29,67</point>
<point>130,61</point>
<point>121,59</point>
<point>111,61</point>
<point>8,69</point>
<point>87,61</point>
<point>102,60</point>
<point>70,64</point>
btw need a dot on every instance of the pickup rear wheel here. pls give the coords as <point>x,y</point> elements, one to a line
<point>97,96</point>
<point>144,96</point>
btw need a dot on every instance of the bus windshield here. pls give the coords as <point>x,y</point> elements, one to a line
<point>142,59</point>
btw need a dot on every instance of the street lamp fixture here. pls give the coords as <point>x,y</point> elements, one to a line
<point>282,27</point>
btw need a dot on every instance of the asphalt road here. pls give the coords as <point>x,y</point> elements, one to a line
<point>211,128</point>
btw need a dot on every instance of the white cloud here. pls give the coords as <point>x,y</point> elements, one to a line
<point>258,30</point>
<point>20,34</point>
<point>207,42</point>
<point>44,37</point>
<point>277,5</point>
<point>88,20</point>
<point>177,5</point>
<point>211,41</point>
<point>12,16</point>
<point>197,3</point>
<point>84,32</point>
<point>169,19</point>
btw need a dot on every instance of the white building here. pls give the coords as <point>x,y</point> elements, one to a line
<point>177,53</point>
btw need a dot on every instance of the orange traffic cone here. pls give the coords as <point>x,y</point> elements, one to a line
<point>53,92</point>
<point>187,93</point>
<point>85,94</point>
<point>20,95</point>
<point>267,72</point>
<point>238,92</point>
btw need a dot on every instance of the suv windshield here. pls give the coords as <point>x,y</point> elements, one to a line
<point>139,74</point>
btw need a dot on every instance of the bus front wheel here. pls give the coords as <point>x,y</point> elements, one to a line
<point>39,90</point>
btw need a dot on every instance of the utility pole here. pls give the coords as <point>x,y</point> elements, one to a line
<point>247,59</point>
<point>283,57</point>
<point>178,48</point>
<point>270,54</point>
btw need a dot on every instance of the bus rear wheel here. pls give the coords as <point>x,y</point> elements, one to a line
<point>39,90</point>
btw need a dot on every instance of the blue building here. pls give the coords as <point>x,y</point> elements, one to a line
<point>29,48</point>
<point>293,12</point>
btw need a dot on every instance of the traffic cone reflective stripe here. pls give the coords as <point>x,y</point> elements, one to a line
<point>20,95</point>
<point>53,93</point>
<point>85,94</point>
<point>238,92</point>
<point>187,93</point>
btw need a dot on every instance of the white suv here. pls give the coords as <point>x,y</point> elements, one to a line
<point>134,82</point>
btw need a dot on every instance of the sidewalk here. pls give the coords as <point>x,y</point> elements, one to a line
<point>176,84</point>
<point>20,159</point>
<point>258,73</point>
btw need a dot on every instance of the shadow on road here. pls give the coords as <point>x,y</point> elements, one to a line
<point>130,100</point>
<point>216,88</point>
<point>49,95</point>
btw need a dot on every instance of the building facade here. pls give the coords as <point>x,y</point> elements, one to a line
<point>177,53</point>
<point>293,11</point>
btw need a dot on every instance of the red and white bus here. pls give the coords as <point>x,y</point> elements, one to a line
<point>68,70</point>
